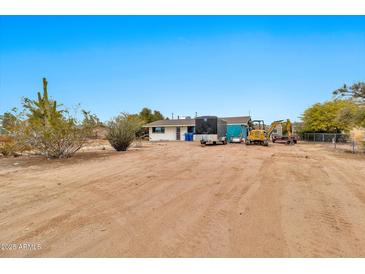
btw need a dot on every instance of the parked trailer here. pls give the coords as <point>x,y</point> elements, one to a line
<point>210,130</point>
<point>284,139</point>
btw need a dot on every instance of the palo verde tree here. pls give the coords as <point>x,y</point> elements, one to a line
<point>324,117</point>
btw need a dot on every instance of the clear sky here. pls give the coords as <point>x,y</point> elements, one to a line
<point>271,66</point>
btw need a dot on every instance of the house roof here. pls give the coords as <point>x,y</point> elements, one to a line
<point>191,122</point>
<point>237,120</point>
<point>171,122</point>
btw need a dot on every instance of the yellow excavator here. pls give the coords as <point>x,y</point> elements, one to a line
<point>288,138</point>
<point>258,135</point>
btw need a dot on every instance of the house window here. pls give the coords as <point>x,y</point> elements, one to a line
<point>158,130</point>
<point>191,129</point>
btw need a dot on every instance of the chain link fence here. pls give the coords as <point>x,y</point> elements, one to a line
<point>338,141</point>
<point>326,137</point>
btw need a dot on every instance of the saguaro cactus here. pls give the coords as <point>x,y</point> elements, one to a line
<point>43,110</point>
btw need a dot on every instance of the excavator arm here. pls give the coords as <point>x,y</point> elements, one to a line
<point>287,124</point>
<point>273,126</point>
<point>289,128</point>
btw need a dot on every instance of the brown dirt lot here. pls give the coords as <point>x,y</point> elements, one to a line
<point>183,200</point>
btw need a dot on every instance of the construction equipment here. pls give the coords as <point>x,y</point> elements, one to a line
<point>288,138</point>
<point>259,136</point>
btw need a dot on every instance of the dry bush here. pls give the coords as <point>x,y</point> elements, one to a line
<point>48,130</point>
<point>5,138</point>
<point>11,147</point>
<point>122,131</point>
<point>8,148</point>
<point>60,140</point>
<point>358,135</point>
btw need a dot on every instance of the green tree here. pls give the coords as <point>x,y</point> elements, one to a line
<point>360,117</point>
<point>354,116</point>
<point>157,115</point>
<point>356,91</point>
<point>327,117</point>
<point>148,116</point>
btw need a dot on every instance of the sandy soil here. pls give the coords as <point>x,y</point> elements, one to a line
<point>183,200</point>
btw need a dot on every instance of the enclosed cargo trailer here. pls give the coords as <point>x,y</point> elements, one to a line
<point>210,130</point>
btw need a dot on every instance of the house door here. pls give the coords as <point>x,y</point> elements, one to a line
<point>178,133</point>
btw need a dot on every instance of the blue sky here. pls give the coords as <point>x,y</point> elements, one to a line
<point>271,66</point>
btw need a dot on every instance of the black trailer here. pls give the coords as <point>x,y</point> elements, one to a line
<point>210,130</point>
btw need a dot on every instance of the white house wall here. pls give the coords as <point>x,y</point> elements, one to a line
<point>169,135</point>
<point>183,130</point>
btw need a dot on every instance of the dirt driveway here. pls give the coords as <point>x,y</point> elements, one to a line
<point>183,200</point>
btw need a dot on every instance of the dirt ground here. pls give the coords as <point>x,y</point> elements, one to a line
<point>179,199</point>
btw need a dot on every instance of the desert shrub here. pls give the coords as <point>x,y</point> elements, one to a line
<point>12,148</point>
<point>8,148</point>
<point>122,131</point>
<point>358,135</point>
<point>45,128</point>
<point>92,122</point>
<point>61,139</point>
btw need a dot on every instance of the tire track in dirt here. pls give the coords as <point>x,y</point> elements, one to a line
<point>181,200</point>
<point>179,203</point>
<point>260,233</point>
<point>200,224</point>
<point>321,226</point>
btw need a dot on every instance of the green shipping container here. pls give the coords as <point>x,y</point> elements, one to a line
<point>236,131</point>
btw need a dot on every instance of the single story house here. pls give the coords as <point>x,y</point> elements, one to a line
<point>175,129</point>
